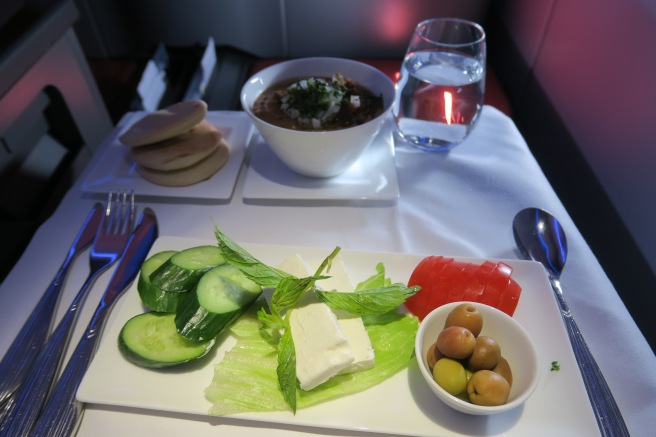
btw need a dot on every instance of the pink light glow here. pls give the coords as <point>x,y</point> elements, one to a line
<point>448,106</point>
<point>396,22</point>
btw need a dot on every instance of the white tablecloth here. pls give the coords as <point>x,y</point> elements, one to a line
<point>460,203</point>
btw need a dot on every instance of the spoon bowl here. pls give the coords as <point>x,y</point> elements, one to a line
<point>540,237</point>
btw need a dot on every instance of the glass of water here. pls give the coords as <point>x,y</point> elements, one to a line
<point>439,95</point>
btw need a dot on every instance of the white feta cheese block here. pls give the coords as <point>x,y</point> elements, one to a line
<point>322,349</point>
<point>295,265</point>
<point>363,353</point>
<point>339,278</point>
<point>352,325</point>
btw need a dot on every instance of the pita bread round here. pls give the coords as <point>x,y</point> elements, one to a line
<point>190,175</point>
<point>165,123</point>
<point>180,151</point>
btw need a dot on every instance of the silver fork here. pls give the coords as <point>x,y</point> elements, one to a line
<point>21,412</point>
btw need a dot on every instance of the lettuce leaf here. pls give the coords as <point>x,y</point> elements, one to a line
<point>246,379</point>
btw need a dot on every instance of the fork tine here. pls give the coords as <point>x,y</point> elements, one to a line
<point>132,212</point>
<point>106,224</point>
<point>120,214</point>
<point>123,218</point>
<point>117,213</point>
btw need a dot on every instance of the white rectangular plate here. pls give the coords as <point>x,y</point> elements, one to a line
<point>372,177</point>
<point>115,170</point>
<point>401,405</point>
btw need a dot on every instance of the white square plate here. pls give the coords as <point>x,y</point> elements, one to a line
<point>115,170</point>
<point>402,404</point>
<point>372,177</point>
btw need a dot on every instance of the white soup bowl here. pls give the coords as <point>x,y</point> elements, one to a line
<point>319,154</point>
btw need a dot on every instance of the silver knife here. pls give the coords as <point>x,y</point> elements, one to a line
<point>62,412</point>
<point>23,351</point>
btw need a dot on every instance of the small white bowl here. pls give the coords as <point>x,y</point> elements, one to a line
<point>327,153</point>
<point>516,347</point>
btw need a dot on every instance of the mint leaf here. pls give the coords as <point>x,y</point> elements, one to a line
<point>286,369</point>
<point>290,290</point>
<point>256,271</point>
<point>376,281</point>
<point>327,263</point>
<point>374,295</point>
<point>272,324</point>
<point>367,302</point>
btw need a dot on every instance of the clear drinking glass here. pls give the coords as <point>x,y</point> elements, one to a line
<point>439,95</point>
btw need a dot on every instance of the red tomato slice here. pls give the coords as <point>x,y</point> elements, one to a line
<point>463,282</point>
<point>437,263</point>
<point>450,282</point>
<point>425,272</point>
<point>442,284</point>
<point>497,283</point>
<point>424,267</point>
<point>475,289</point>
<point>426,275</point>
<point>510,297</point>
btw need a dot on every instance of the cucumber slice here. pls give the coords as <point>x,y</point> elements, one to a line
<point>152,296</point>
<point>225,289</point>
<point>151,340</point>
<point>183,270</point>
<point>220,297</point>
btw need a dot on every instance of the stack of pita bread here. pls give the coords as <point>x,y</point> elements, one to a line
<point>176,146</point>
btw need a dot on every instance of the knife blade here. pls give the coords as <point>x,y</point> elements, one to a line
<point>26,346</point>
<point>62,412</point>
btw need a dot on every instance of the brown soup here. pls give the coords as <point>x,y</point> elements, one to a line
<point>317,104</point>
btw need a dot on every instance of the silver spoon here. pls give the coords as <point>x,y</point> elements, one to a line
<point>540,237</point>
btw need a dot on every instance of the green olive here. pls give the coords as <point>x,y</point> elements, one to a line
<point>456,342</point>
<point>486,354</point>
<point>464,396</point>
<point>433,355</point>
<point>488,388</point>
<point>503,369</point>
<point>450,375</point>
<point>467,316</point>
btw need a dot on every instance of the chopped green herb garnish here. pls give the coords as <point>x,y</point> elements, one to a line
<point>555,366</point>
<point>311,96</point>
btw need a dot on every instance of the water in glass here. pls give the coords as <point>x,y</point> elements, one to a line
<point>439,98</point>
